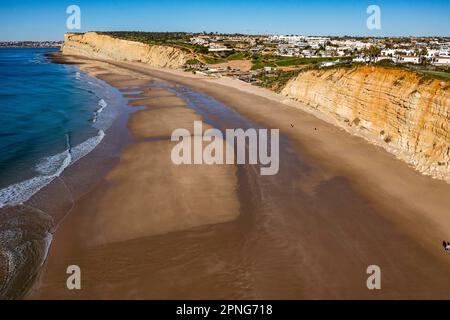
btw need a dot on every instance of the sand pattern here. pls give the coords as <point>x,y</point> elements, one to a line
<point>153,230</point>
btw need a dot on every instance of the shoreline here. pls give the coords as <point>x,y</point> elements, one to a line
<point>320,178</point>
<point>41,214</point>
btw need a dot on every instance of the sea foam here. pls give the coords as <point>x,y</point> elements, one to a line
<point>102,105</point>
<point>48,169</point>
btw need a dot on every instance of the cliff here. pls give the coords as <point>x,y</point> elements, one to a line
<point>97,46</point>
<point>395,109</point>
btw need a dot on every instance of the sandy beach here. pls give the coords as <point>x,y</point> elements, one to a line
<point>148,229</point>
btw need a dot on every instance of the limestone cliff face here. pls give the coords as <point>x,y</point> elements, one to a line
<point>395,109</point>
<point>97,46</point>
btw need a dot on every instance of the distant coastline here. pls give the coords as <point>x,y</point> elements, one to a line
<point>31,44</point>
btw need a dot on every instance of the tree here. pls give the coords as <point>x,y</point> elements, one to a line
<point>372,53</point>
<point>423,56</point>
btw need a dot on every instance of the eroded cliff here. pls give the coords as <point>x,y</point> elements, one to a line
<point>396,109</point>
<point>98,46</point>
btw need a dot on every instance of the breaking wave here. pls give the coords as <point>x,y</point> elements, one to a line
<point>102,105</point>
<point>48,169</point>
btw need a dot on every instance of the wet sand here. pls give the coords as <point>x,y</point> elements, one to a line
<point>153,230</point>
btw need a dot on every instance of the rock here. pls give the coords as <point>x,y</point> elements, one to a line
<point>97,46</point>
<point>415,114</point>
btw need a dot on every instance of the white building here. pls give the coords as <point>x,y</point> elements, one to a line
<point>328,53</point>
<point>388,52</point>
<point>328,63</point>
<point>200,40</point>
<point>381,58</point>
<point>307,53</point>
<point>301,44</point>
<point>441,61</point>
<point>320,41</point>
<point>404,52</point>
<point>287,38</point>
<point>286,50</point>
<point>444,50</point>
<point>217,47</point>
<point>408,59</point>
<point>257,48</point>
<point>341,53</point>
<point>351,44</point>
<point>360,59</point>
<point>431,53</point>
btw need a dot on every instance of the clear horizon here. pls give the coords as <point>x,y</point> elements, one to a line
<point>46,20</point>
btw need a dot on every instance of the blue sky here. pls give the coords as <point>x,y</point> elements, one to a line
<point>46,20</point>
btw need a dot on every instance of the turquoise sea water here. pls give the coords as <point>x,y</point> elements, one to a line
<point>50,116</point>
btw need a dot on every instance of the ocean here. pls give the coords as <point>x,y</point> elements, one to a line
<point>51,115</point>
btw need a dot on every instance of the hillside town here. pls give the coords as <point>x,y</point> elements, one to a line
<point>400,50</point>
<point>271,60</point>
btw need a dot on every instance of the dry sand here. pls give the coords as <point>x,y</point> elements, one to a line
<point>164,120</point>
<point>242,65</point>
<point>337,205</point>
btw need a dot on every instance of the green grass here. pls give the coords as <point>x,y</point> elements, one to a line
<point>150,37</point>
<point>213,60</point>
<point>261,61</point>
<point>192,61</point>
<point>301,61</point>
<point>439,75</point>
<point>278,81</point>
<point>277,61</point>
<point>259,64</point>
<point>174,39</point>
<point>240,55</point>
<point>426,72</point>
<point>224,56</point>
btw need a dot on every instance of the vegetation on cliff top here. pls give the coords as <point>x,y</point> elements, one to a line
<point>424,71</point>
<point>179,40</point>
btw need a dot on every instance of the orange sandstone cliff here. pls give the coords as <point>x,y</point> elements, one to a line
<point>98,46</point>
<point>396,109</point>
